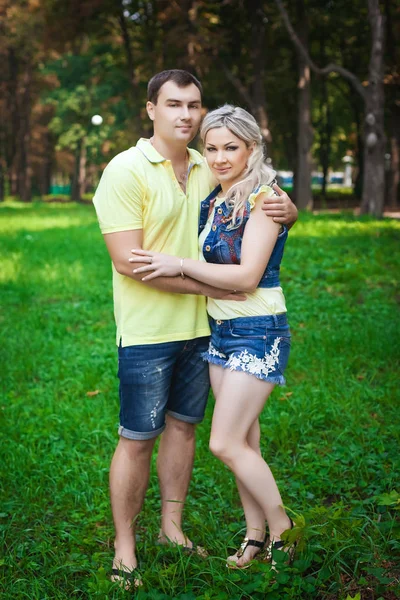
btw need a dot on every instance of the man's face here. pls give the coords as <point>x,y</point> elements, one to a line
<point>177,114</point>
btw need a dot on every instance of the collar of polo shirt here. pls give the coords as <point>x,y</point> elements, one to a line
<point>153,156</point>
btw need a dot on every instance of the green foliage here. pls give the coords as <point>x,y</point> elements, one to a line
<point>89,83</point>
<point>331,435</point>
<point>86,57</point>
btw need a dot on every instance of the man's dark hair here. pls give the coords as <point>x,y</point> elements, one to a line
<point>178,76</point>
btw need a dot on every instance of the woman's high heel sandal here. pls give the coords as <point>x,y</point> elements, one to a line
<point>280,545</point>
<point>239,553</point>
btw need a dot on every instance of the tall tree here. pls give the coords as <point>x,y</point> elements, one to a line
<point>21,51</point>
<point>392,93</point>
<point>373,97</point>
<point>303,192</point>
<point>249,82</point>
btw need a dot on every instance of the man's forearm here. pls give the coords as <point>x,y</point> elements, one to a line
<point>175,285</point>
<point>119,247</point>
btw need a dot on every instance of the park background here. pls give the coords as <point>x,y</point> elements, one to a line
<point>322,79</point>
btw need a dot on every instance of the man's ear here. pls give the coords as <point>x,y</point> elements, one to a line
<point>150,110</point>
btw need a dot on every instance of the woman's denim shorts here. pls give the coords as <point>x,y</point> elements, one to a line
<point>256,345</point>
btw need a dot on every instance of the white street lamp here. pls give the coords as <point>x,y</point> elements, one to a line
<point>97,120</point>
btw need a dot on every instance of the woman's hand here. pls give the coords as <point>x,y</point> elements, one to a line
<point>160,264</point>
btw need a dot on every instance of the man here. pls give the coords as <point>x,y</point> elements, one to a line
<point>149,196</point>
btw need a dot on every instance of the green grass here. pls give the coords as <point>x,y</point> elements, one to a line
<point>331,435</point>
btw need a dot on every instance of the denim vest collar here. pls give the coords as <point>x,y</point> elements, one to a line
<point>205,207</point>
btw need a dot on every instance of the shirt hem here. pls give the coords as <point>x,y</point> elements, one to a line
<point>127,340</point>
<point>229,316</point>
<point>117,229</point>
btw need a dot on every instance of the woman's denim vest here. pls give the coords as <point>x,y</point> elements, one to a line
<point>223,245</point>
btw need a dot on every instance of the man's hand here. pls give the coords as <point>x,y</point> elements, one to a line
<point>225,295</point>
<point>280,207</point>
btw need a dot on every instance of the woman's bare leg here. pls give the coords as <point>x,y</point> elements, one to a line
<point>254,514</point>
<point>239,401</point>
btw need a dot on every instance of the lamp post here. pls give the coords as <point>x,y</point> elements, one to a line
<point>79,178</point>
<point>348,161</point>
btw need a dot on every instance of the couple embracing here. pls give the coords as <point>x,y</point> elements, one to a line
<point>196,244</point>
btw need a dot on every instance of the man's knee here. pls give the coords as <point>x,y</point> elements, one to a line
<point>136,448</point>
<point>177,427</point>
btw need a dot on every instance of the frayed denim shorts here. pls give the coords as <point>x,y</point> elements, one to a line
<point>256,345</point>
<point>160,379</point>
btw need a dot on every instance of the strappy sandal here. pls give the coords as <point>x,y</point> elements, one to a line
<point>280,545</point>
<point>239,553</point>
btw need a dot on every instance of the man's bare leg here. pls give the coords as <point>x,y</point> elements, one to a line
<point>129,477</point>
<point>174,465</point>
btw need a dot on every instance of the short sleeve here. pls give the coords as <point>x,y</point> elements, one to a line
<point>120,195</point>
<point>263,189</point>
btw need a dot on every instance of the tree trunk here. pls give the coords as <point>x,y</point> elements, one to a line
<point>254,98</point>
<point>13,117</point>
<point>21,175</point>
<point>259,110</point>
<point>374,134</point>
<point>78,183</point>
<point>46,170</point>
<point>326,141</point>
<point>304,197</point>
<point>2,182</point>
<point>325,128</point>
<point>358,114</point>
<point>82,169</point>
<point>392,196</point>
<point>392,47</point>
<point>3,157</point>
<point>135,91</point>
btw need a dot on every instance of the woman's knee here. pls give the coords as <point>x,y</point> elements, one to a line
<point>222,449</point>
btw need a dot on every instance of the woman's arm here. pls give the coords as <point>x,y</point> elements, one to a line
<point>259,239</point>
<point>119,244</point>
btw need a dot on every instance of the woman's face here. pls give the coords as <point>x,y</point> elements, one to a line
<point>226,155</point>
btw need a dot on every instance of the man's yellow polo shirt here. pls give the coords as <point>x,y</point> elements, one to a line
<point>139,190</point>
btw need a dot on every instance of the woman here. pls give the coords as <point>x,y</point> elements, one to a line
<point>240,249</point>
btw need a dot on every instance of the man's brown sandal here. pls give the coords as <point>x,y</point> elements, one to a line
<point>194,549</point>
<point>126,579</point>
<point>239,553</point>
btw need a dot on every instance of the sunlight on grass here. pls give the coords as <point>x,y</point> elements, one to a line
<point>343,225</point>
<point>16,217</point>
<point>331,435</point>
<point>10,267</point>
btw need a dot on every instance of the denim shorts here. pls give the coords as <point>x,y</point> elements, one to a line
<point>156,379</point>
<point>256,345</point>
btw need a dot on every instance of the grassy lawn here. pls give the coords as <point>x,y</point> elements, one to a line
<point>331,435</point>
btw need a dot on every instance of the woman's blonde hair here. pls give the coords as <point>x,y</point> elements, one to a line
<point>244,126</point>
